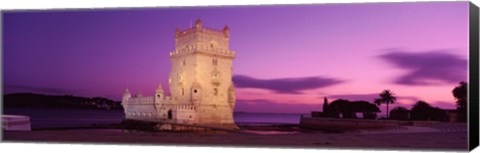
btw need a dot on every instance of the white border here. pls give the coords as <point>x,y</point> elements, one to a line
<point>8,5</point>
<point>49,4</point>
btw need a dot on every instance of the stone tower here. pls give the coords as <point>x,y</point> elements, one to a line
<point>201,74</point>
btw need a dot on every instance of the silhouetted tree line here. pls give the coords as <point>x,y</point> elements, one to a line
<point>423,111</point>
<point>348,109</point>
<point>420,110</point>
<point>30,100</point>
<point>400,113</point>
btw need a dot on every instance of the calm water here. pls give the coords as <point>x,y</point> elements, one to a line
<point>267,118</point>
<point>42,118</point>
<point>46,118</point>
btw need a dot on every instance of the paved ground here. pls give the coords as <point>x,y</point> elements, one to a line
<point>417,138</point>
<point>415,129</point>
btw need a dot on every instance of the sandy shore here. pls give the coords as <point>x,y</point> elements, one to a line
<point>289,137</point>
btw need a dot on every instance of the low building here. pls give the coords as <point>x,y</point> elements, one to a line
<point>16,123</point>
<point>452,115</point>
<point>400,114</point>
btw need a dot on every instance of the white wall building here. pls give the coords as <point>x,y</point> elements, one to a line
<point>16,123</point>
<point>201,87</point>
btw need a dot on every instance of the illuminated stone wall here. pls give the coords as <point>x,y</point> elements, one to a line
<point>200,82</point>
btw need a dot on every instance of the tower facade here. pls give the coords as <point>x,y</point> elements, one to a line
<point>201,73</point>
<point>200,83</point>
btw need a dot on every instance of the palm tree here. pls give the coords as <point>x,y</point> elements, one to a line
<point>386,97</point>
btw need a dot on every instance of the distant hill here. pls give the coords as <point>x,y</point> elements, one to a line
<point>31,100</point>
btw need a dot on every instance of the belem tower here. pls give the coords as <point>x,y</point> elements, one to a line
<point>201,88</point>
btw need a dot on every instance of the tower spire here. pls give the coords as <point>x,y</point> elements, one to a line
<point>127,91</point>
<point>226,31</point>
<point>198,24</point>
<point>159,88</point>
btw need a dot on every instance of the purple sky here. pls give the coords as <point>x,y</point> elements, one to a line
<point>288,57</point>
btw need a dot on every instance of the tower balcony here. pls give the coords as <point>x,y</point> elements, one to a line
<point>219,52</point>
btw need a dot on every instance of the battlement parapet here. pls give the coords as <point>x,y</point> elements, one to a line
<point>165,100</point>
<point>204,30</point>
<point>206,50</point>
<point>141,100</point>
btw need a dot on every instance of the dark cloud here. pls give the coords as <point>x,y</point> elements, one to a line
<point>444,104</point>
<point>284,85</point>
<point>267,106</point>
<point>365,97</point>
<point>10,88</point>
<point>407,98</point>
<point>368,97</point>
<point>427,67</point>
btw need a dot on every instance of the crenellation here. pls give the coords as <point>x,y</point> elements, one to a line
<point>204,30</point>
<point>208,52</point>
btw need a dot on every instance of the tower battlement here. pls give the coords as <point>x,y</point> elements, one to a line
<point>203,30</point>
<point>199,39</point>
<point>221,53</point>
<point>200,29</point>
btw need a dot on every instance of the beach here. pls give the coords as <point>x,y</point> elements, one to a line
<point>287,138</point>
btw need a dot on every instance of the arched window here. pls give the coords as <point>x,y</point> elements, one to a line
<point>170,116</point>
<point>216,75</point>
<point>213,44</point>
<point>180,77</point>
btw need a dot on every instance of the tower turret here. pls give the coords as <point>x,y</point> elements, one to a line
<point>126,94</point>
<point>226,31</point>
<point>177,32</point>
<point>159,92</point>
<point>198,24</point>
